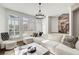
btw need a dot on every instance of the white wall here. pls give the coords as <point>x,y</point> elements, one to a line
<point>53,24</point>
<point>38,25</point>
<point>76,22</point>
<point>70,22</point>
<point>45,25</point>
<point>72,29</point>
<point>3,25</point>
<point>50,25</point>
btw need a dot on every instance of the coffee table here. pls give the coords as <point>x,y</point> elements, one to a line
<point>40,50</point>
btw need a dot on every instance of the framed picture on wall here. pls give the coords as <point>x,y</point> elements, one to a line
<point>63,23</point>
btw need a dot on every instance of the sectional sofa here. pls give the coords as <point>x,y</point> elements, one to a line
<point>54,43</point>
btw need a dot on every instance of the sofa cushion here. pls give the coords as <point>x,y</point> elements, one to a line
<point>55,37</point>
<point>70,41</point>
<point>77,45</point>
<point>50,45</point>
<point>38,39</point>
<point>62,49</point>
<point>9,44</point>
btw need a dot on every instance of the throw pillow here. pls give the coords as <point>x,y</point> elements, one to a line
<point>35,34</point>
<point>5,36</point>
<point>40,33</point>
<point>70,41</point>
<point>77,45</point>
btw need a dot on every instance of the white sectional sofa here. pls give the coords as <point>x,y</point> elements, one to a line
<point>54,44</point>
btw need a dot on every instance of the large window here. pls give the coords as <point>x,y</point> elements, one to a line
<point>14,26</point>
<point>28,25</point>
<point>20,24</point>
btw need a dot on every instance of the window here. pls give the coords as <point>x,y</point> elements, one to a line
<point>28,25</point>
<point>14,26</point>
<point>19,24</point>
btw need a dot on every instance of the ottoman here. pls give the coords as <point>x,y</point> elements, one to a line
<point>9,44</point>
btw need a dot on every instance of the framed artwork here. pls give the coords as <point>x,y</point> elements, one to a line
<point>63,23</point>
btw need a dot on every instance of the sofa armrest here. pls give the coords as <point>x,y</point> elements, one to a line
<point>28,40</point>
<point>1,44</point>
<point>65,50</point>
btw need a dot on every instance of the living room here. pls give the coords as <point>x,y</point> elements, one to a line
<point>39,29</point>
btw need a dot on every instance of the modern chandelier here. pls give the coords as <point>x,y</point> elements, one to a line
<point>40,15</point>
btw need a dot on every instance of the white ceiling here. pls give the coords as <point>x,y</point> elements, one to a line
<point>50,9</point>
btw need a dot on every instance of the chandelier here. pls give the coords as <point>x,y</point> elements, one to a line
<point>39,15</point>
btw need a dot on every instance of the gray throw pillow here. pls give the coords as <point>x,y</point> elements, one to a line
<point>70,41</point>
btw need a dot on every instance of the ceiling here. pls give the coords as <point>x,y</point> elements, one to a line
<point>50,9</point>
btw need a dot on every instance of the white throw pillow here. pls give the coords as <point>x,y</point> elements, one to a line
<point>77,45</point>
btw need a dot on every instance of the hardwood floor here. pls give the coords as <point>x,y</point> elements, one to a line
<point>11,52</point>
<point>8,52</point>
